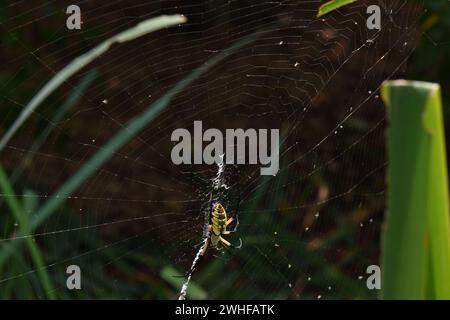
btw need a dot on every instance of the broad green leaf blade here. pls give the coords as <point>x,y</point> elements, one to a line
<point>80,62</point>
<point>416,248</point>
<point>438,195</point>
<point>332,5</point>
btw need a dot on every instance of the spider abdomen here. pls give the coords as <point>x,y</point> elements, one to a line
<point>218,219</point>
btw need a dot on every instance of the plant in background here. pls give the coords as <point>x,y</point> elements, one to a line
<point>332,5</point>
<point>416,248</point>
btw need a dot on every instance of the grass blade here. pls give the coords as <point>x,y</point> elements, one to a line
<point>80,62</point>
<point>19,215</point>
<point>416,253</point>
<point>332,5</point>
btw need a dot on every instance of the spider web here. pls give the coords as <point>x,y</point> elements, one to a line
<point>309,232</point>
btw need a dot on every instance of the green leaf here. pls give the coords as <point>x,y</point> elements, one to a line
<point>332,5</point>
<point>416,248</point>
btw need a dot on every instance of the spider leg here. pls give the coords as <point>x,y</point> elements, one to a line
<point>205,247</point>
<point>229,221</point>
<point>240,244</point>
<point>228,245</point>
<point>225,242</point>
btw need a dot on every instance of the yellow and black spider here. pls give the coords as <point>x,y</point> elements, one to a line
<point>217,229</point>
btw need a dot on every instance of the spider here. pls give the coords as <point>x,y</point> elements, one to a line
<point>217,229</point>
